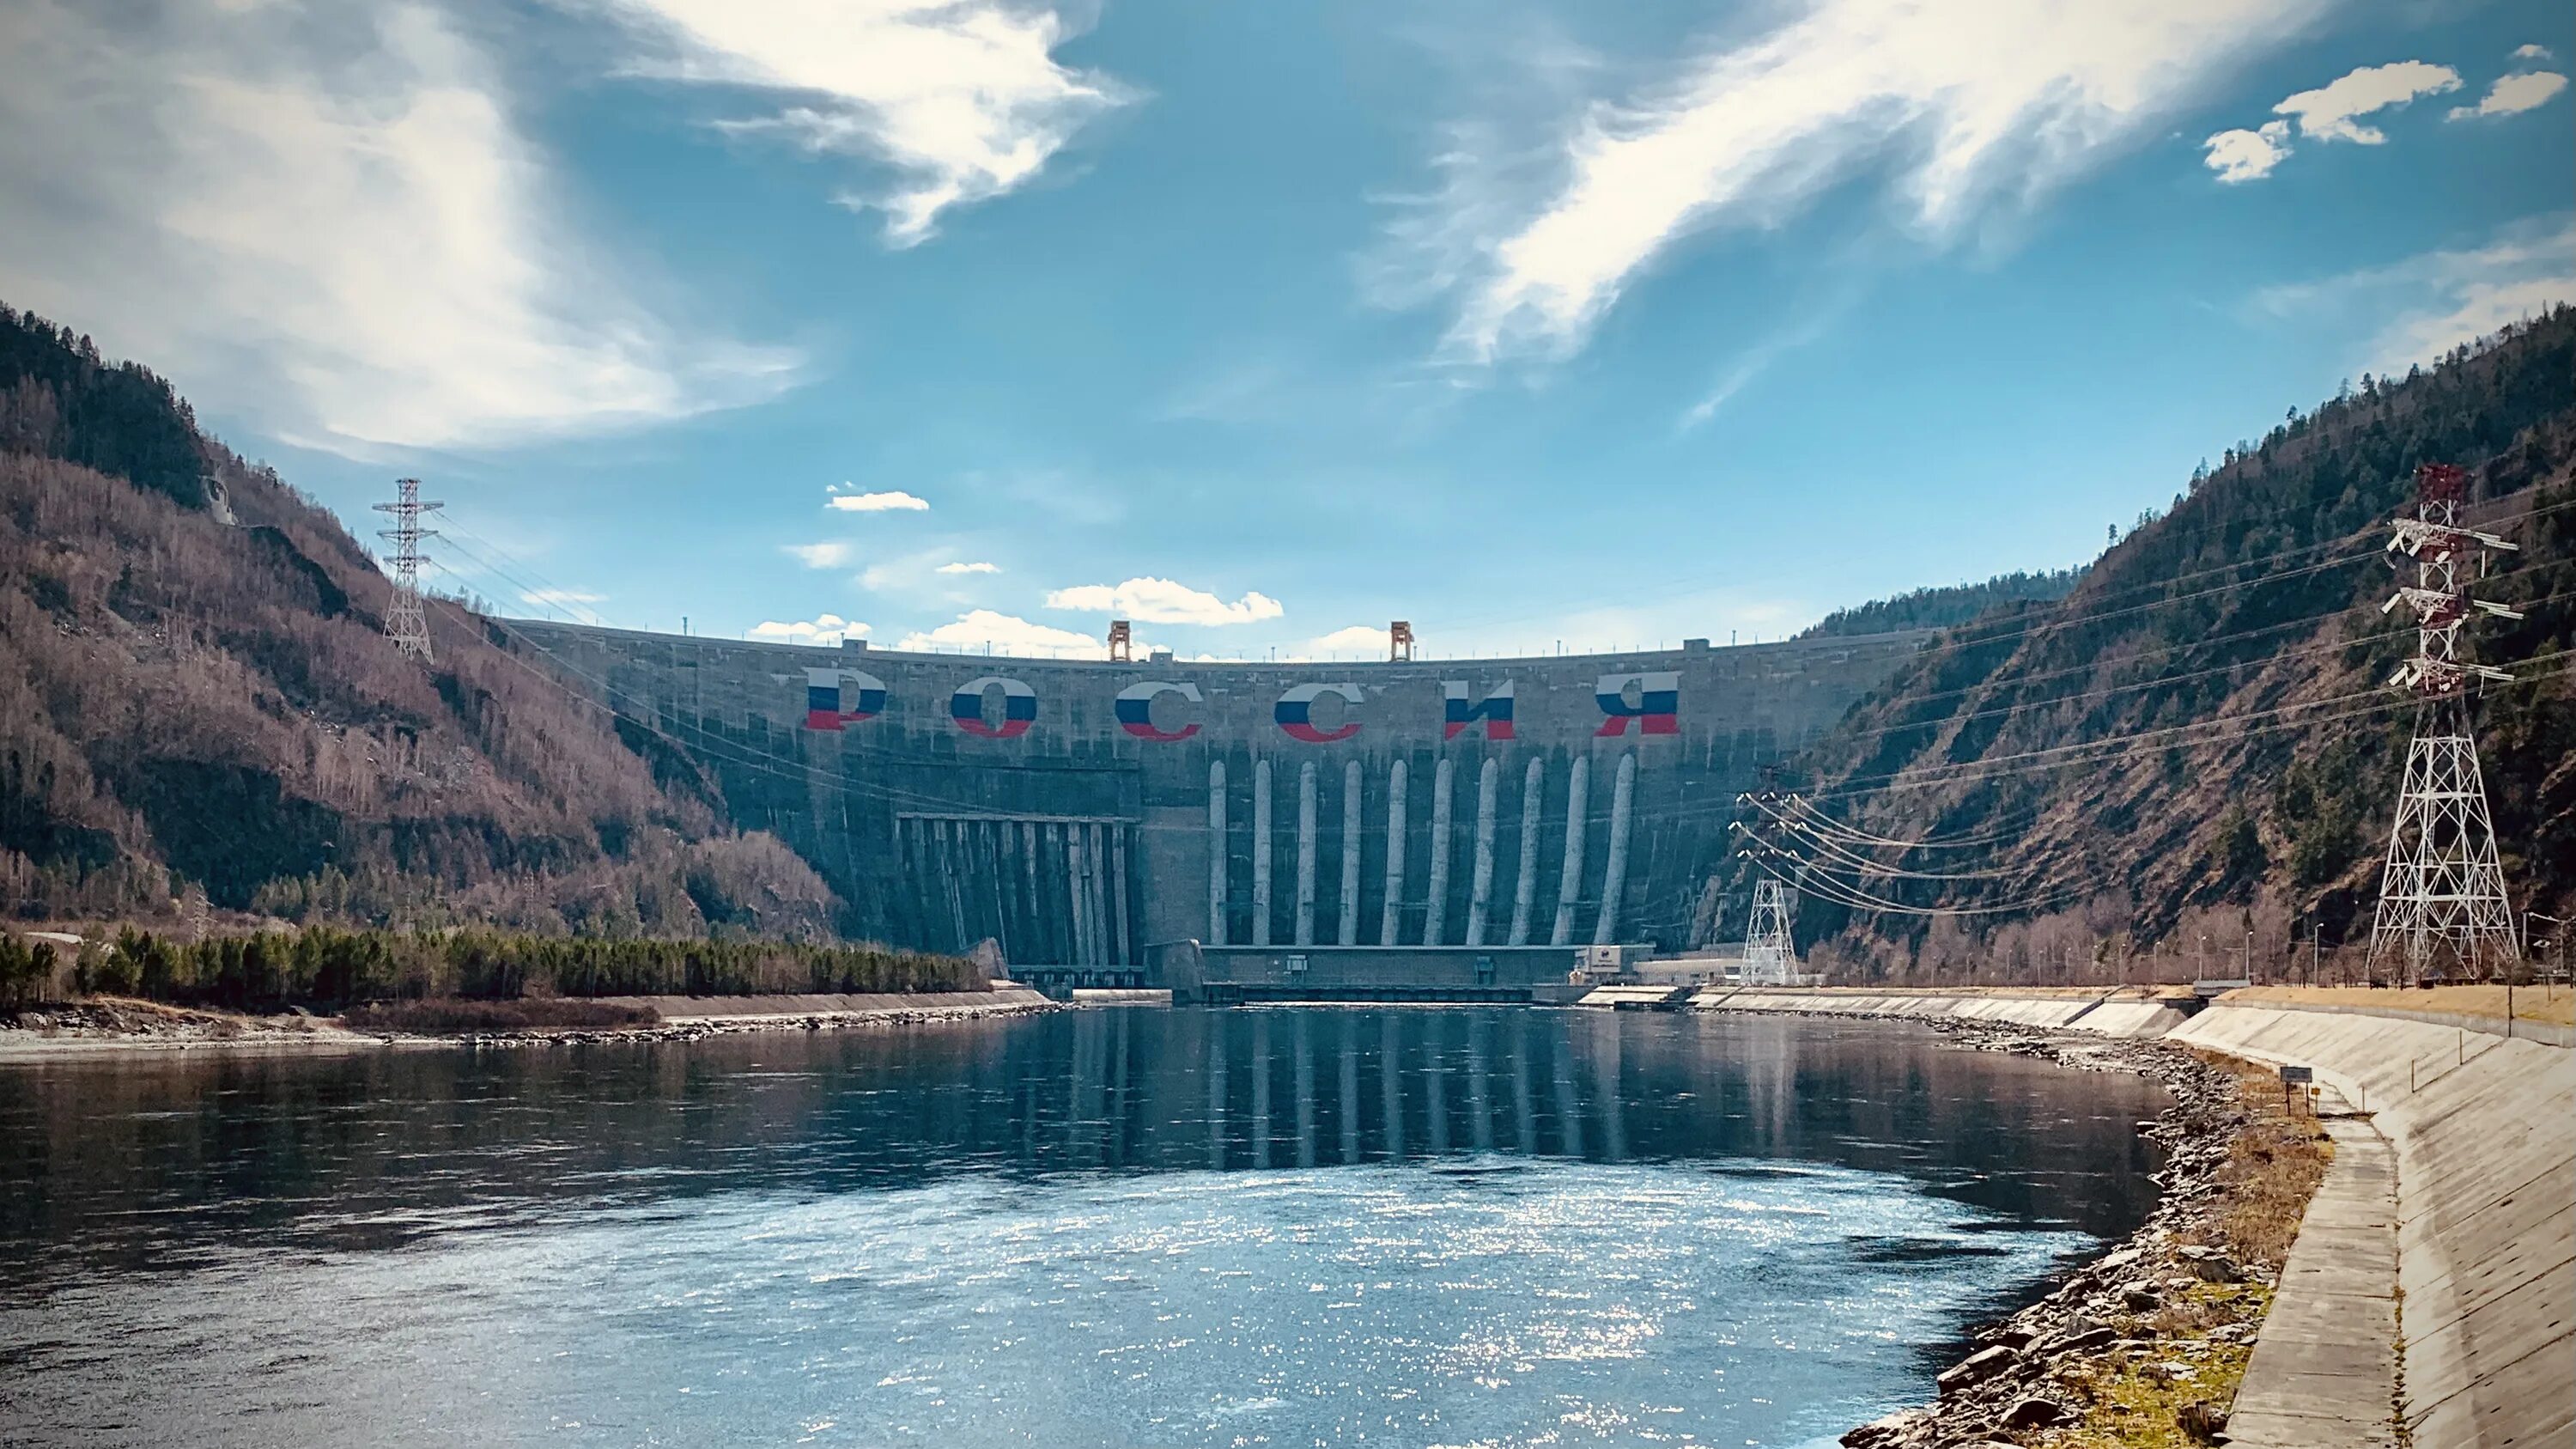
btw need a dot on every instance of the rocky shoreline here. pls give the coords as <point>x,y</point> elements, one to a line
<point>96,1028</point>
<point>700,1028</point>
<point>2159,1329</point>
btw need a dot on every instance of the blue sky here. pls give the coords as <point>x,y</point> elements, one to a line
<point>1536,324</point>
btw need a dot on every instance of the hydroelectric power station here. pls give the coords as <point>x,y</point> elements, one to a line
<point>1443,827</point>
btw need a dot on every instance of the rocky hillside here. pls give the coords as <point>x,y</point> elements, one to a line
<point>2194,742</point>
<point>199,713</point>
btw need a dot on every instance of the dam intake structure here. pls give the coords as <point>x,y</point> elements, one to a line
<point>1082,814</point>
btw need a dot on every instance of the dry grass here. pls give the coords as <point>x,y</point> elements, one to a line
<point>2135,1399</point>
<point>453,1016</point>
<point>2555,1004</point>
<point>2272,1170</point>
<point>135,1016</point>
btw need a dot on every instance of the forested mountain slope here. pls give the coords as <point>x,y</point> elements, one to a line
<point>1947,604</point>
<point>199,711</point>
<point>2195,742</point>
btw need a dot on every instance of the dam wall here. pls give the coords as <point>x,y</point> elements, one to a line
<point>1082,812</point>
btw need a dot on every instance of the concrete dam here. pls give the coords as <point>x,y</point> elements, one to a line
<point>1087,814</point>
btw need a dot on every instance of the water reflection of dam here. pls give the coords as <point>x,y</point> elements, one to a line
<point>1303,1087</point>
<point>1110,1091</point>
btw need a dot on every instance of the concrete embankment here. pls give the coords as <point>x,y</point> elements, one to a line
<point>2483,1134</point>
<point>2109,1015</point>
<point>2462,1150</point>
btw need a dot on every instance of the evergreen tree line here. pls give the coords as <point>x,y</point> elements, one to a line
<point>1939,608</point>
<point>332,968</point>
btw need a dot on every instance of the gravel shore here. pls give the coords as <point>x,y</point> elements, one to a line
<point>2152,1337</point>
<point>120,1027</point>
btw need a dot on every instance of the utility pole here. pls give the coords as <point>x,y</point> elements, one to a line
<point>2557,940</point>
<point>2442,907</point>
<point>406,623</point>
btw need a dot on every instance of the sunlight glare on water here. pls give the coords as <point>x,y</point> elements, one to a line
<point>614,1284</point>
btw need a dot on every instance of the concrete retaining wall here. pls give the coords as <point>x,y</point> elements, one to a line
<point>2125,1018</point>
<point>2482,1132</point>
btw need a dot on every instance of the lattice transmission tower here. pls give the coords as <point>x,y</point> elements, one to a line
<point>1770,956</point>
<point>2442,909</point>
<point>406,623</point>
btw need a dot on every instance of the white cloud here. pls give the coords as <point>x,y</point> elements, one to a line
<point>2332,111</point>
<point>2512,95</point>
<point>327,219</point>
<point>1368,639</point>
<point>2441,299</point>
<point>1162,601</point>
<point>959,567</point>
<point>961,100</point>
<point>2532,52</point>
<point>981,629</point>
<point>893,501</point>
<point>1975,103</point>
<point>2239,156</point>
<point>820,555</point>
<point>821,629</point>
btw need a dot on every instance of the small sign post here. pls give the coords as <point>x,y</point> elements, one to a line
<point>2292,1077</point>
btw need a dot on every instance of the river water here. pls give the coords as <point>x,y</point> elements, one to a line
<point>1102,1228</point>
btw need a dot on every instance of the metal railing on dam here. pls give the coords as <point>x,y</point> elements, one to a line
<point>1074,810</point>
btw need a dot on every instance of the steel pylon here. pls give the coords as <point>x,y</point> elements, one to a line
<point>1770,956</point>
<point>2442,910</point>
<point>406,622</point>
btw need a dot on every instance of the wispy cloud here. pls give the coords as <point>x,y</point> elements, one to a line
<point>2532,52</point>
<point>573,604</point>
<point>1755,360</point>
<point>1007,634</point>
<point>819,555</point>
<point>1977,105</point>
<point>2511,95</point>
<point>1164,601</point>
<point>2440,299</point>
<point>960,100</point>
<point>923,576</point>
<point>326,219</point>
<point>891,501</point>
<point>821,629</point>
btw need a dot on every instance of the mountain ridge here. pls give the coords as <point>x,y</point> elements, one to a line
<point>199,713</point>
<point>2195,742</point>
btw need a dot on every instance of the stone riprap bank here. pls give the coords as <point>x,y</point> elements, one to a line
<point>2470,1330</point>
<point>1082,812</point>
